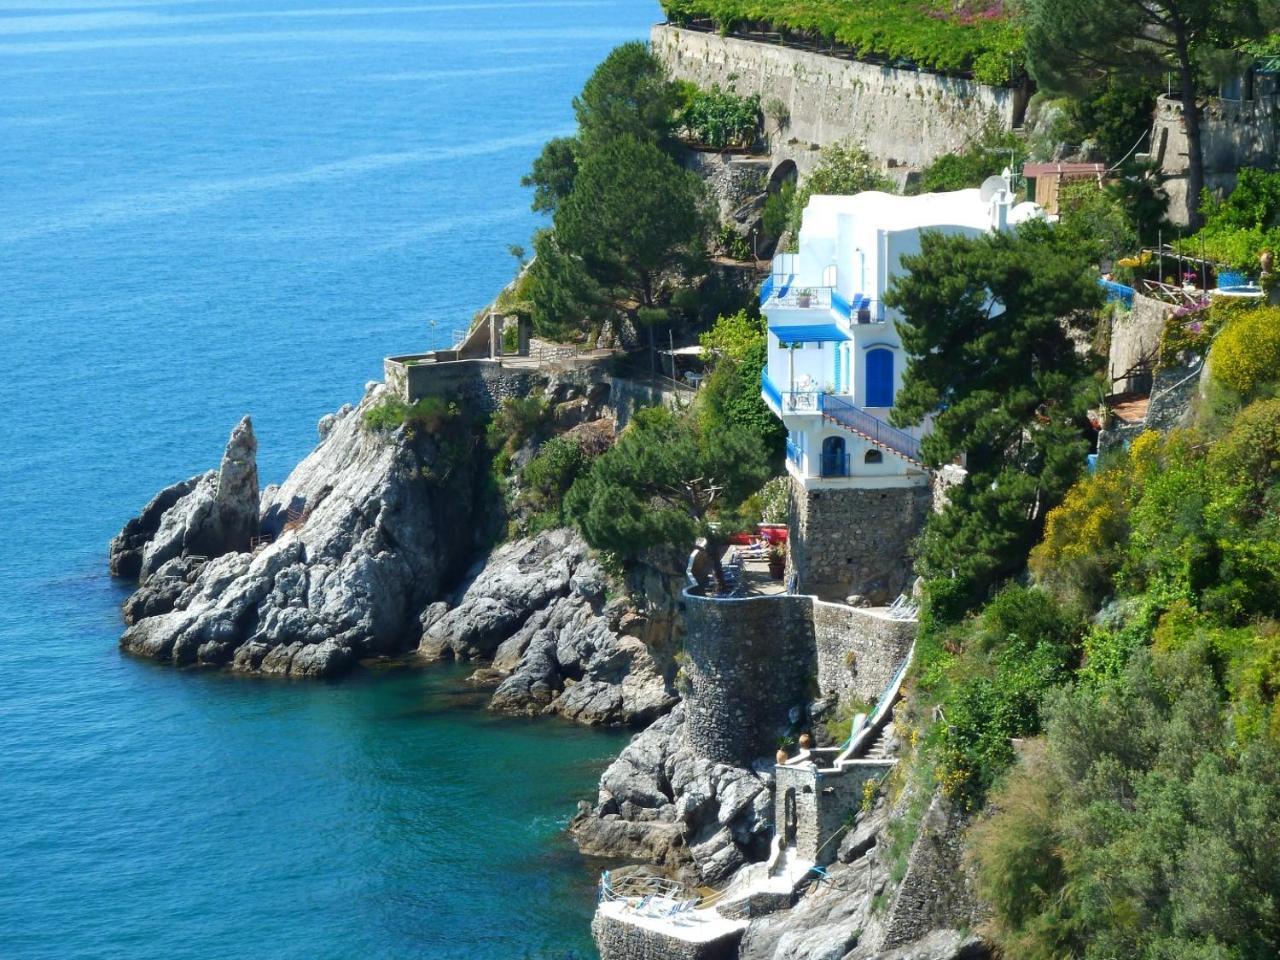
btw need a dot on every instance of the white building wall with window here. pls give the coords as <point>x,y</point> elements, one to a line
<point>835,360</point>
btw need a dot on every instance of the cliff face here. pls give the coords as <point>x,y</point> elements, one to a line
<point>538,609</point>
<point>351,556</point>
<point>362,542</point>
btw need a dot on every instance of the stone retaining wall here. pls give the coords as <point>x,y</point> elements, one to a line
<point>855,540</point>
<point>858,651</point>
<point>902,117</point>
<point>618,939</point>
<point>1135,334</point>
<point>752,660</point>
<point>935,892</point>
<point>1233,134</point>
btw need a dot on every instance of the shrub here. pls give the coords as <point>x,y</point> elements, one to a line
<point>982,38</point>
<point>1246,354</point>
<point>1081,551</point>
<point>719,118</point>
<point>551,473</point>
<point>430,414</point>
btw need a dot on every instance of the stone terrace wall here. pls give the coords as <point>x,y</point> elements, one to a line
<point>618,939</point>
<point>485,383</point>
<point>859,652</point>
<point>1135,334</point>
<point>935,891</point>
<point>752,659</point>
<point>855,540</point>
<point>900,116</point>
<point>1234,134</point>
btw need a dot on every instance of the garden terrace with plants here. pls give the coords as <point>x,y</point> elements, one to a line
<point>981,39</point>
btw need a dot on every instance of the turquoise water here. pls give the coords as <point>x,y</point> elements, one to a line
<point>208,209</point>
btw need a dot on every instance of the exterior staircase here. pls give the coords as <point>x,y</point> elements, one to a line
<point>872,429</point>
<point>878,749</point>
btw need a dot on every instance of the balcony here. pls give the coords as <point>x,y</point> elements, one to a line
<point>785,293</point>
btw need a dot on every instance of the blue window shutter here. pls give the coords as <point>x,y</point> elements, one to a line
<point>879,378</point>
<point>838,352</point>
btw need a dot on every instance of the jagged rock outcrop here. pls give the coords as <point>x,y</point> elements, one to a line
<point>661,803</point>
<point>363,540</point>
<point>219,515</point>
<point>124,555</point>
<point>537,608</point>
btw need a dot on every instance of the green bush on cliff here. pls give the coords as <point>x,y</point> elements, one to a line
<point>718,118</point>
<point>665,482</point>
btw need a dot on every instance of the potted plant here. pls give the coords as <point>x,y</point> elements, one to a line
<point>777,561</point>
<point>806,741</point>
<point>804,296</point>
<point>782,756</point>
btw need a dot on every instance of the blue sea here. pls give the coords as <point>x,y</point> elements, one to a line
<point>220,207</point>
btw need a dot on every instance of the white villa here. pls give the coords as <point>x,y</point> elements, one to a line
<point>835,361</point>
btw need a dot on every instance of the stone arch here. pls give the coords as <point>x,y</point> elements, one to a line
<point>783,172</point>
<point>873,456</point>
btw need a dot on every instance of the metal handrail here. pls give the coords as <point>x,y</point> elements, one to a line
<point>873,428</point>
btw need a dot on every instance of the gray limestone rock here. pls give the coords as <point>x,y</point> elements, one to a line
<point>124,556</point>
<point>218,515</point>
<point>360,547</point>
<point>721,813</point>
<point>536,606</point>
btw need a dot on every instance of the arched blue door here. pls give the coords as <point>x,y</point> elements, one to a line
<point>879,378</point>
<point>834,461</point>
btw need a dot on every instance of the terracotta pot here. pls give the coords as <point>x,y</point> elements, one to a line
<point>782,756</point>
<point>777,568</point>
<point>806,741</point>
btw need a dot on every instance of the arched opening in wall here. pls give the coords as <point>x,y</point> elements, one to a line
<point>879,378</point>
<point>789,817</point>
<point>778,195</point>
<point>873,456</point>
<point>830,273</point>
<point>835,462</point>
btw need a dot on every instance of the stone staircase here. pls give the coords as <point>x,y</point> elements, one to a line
<point>878,749</point>
<point>872,429</point>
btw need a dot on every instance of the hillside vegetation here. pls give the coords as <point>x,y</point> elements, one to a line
<point>1137,662</point>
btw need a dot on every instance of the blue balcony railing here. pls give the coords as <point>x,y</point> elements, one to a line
<point>766,290</point>
<point>772,395</point>
<point>873,428</point>
<point>1117,292</point>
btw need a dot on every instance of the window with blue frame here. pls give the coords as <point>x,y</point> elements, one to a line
<point>879,378</point>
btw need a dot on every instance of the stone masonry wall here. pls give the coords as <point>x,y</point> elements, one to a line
<point>855,540</point>
<point>732,180</point>
<point>619,939</point>
<point>823,804</point>
<point>752,659</point>
<point>1134,335</point>
<point>900,116</point>
<point>859,651</point>
<point>935,891</point>
<point>1233,134</point>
